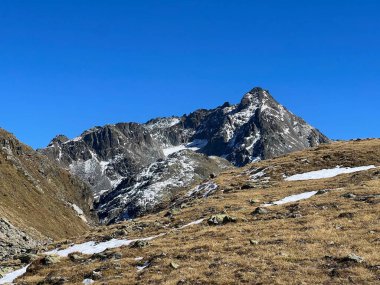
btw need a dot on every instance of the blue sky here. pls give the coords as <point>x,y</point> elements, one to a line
<point>66,66</point>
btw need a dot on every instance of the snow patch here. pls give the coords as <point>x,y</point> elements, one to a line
<point>12,276</point>
<point>80,212</point>
<point>92,247</point>
<point>191,224</point>
<point>292,198</point>
<point>89,248</point>
<point>327,173</point>
<point>168,151</point>
<point>76,139</point>
<point>194,146</point>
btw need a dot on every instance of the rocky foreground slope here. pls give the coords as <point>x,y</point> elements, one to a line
<point>39,201</point>
<point>113,159</point>
<point>237,228</point>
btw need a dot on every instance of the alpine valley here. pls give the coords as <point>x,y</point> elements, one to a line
<point>245,193</point>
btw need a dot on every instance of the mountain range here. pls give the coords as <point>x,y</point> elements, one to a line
<point>134,169</point>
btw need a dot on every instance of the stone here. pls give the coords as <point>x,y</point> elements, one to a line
<point>120,233</point>
<point>260,211</point>
<point>253,242</point>
<point>346,215</point>
<point>349,196</point>
<point>221,219</point>
<point>352,257</point>
<point>139,244</point>
<point>174,265</point>
<point>172,212</point>
<point>75,257</point>
<point>117,255</point>
<point>96,275</point>
<point>247,186</point>
<point>101,256</point>
<point>50,259</point>
<point>27,258</point>
<point>55,280</point>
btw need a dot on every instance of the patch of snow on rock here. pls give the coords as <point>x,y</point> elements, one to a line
<point>164,123</point>
<point>255,177</point>
<point>194,146</point>
<point>204,189</point>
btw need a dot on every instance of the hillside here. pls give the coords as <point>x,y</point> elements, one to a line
<point>236,229</point>
<point>39,200</point>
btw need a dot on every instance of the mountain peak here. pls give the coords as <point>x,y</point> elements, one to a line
<point>59,139</point>
<point>257,96</point>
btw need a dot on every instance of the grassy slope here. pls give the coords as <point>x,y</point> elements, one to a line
<point>299,243</point>
<point>34,193</point>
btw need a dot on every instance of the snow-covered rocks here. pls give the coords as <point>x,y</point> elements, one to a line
<point>157,184</point>
<point>203,190</point>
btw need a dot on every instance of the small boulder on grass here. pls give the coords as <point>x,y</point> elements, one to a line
<point>50,259</point>
<point>174,265</point>
<point>27,258</point>
<point>352,257</point>
<point>76,257</point>
<point>221,219</point>
<point>253,242</point>
<point>260,211</point>
<point>139,244</point>
<point>321,192</point>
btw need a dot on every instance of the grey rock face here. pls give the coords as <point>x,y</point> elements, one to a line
<point>157,185</point>
<point>257,128</point>
<point>103,156</point>
<point>13,241</point>
<point>121,162</point>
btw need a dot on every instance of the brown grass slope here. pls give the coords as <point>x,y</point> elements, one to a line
<point>305,242</point>
<point>34,193</point>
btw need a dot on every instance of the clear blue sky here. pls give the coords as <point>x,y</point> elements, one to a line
<point>66,66</point>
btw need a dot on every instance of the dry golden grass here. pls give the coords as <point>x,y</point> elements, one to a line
<point>298,243</point>
<point>33,192</point>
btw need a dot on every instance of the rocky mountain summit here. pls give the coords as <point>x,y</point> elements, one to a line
<point>118,160</point>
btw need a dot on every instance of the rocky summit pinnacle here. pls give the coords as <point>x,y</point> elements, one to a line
<point>255,96</point>
<point>117,160</point>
